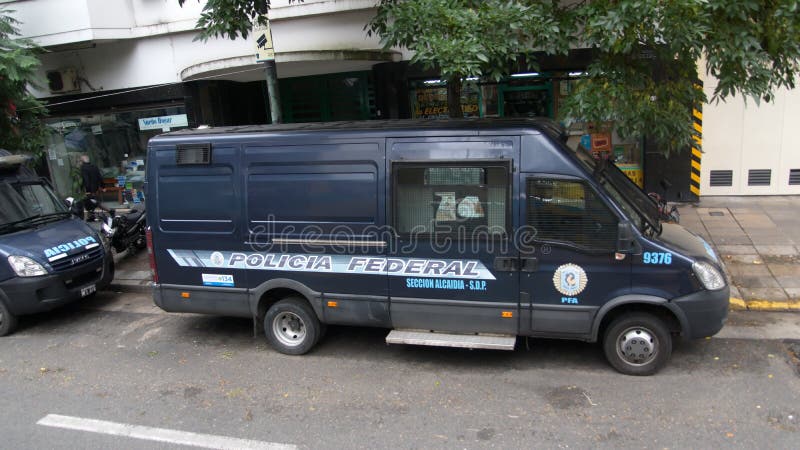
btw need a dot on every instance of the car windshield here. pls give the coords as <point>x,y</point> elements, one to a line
<point>635,202</point>
<point>21,202</point>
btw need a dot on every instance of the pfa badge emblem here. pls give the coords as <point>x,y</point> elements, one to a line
<point>570,279</point>
<point>217,259</point>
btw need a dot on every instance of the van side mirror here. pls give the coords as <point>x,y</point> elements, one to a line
<point>626,238</point>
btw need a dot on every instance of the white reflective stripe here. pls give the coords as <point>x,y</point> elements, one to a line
<point>57,257</point>
<point>158,434</point>
<point>92,246</point>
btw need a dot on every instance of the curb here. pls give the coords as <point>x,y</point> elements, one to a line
<point>738,304</point>
<point>131,288</point>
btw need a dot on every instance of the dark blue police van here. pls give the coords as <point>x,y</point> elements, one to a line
<point>47,256</point>
<point>464,233</point>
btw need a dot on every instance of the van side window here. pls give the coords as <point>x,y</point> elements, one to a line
<point>466,201</point>
<point>570,212</point>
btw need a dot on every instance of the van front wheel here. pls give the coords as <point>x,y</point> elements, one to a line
<point>291,326</point>
<point>8,321</point>
<point>637,344</point>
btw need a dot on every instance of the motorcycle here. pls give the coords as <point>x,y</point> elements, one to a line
<point>127,231</point>
<point>123,231</point>
<point>666,212</point>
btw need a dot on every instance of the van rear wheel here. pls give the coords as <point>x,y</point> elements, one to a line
<point>637,344</point>
<point>8,321</point>
<point>291,326</point>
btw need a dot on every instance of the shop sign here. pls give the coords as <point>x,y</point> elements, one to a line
<point>163,122</point>
<point>263,41</point>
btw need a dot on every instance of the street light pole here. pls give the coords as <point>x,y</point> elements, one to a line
<point>265,52</point>
<point>273,92</point>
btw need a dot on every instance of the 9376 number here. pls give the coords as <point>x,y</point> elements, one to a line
<point>657,258</point>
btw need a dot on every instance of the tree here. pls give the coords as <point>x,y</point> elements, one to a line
<point>233,19</point>
<point>647,51</point>
<point>21,125</point>
<point>464,38</point>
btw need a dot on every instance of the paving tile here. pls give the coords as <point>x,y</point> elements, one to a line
<point>746,259</point>
<point>736,249</point>
<point>774,294</point>
<point>776,250</point>
<point>784,270</point>
<point>731,240</point>
<point>793,293</point>
<point>743,270</point>
<point>770,239</point>
<point>735,292</point>
<point>755,281</point>
<point>788,281</point>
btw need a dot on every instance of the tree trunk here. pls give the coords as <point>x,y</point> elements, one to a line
<point>273,92</point>
<point>454,98</point>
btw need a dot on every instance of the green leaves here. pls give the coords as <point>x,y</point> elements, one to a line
<point>471,38</point>
<point>647,50</point>
<point>21,126</point>
<point>231,18</point>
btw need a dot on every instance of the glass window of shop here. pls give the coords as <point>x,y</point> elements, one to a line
<point>116,142</point>
<point>531,94</point>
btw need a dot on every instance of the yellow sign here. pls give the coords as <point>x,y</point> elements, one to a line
<point>262,36</point>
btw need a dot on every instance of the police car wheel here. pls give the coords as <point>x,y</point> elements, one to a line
<point>8,321</point>
<point>637,344</point>
<point>291,326</point>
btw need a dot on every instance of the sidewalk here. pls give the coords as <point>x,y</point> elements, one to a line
<point>132,273</point>
<point>758,239</point>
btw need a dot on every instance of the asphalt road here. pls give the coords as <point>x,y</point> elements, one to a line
<point>118,358</point>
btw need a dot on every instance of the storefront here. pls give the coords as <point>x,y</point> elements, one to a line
<point>529,94</point>
<point>113,132</point>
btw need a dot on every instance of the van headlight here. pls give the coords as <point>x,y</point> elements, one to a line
<point>26,267</point>
<point>711,278</point>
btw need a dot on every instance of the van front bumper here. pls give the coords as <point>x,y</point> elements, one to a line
<point>705,312</point>
<point>30,295</point>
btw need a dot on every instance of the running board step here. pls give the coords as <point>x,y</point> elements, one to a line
<point>442,339</point>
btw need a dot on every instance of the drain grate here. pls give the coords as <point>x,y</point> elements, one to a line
<point>716,213</point>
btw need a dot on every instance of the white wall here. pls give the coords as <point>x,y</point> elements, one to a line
<point>741,136</point>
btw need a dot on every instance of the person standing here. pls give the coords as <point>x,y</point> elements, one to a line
<point>92,181</point>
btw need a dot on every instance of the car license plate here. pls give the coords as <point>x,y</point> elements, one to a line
<point>88,290</point>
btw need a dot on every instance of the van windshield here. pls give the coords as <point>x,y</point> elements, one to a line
<point>23,204</point>
<point>642,210</point>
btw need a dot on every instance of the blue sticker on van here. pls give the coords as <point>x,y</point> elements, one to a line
<point>367,265</point>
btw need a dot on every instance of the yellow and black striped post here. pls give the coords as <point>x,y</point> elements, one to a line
<point>697,145</point>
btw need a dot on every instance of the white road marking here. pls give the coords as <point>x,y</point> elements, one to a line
<point>158,434</point>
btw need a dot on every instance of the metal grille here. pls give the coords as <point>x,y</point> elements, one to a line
<point>759,177</point>
<point>66,263</point>
<point>568,211</point>
<point>721,178</point>
<point>794,177</point>
<point>193,154</point>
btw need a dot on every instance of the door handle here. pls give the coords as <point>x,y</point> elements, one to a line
<point>530,264</point>
<point>505,264</point>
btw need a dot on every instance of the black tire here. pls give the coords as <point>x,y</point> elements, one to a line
<point>8,321</point>
<point>637,344</point>
<point>291,326</point>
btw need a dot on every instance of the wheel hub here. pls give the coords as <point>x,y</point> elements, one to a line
<point>289,329</point>
<point>637,346</point>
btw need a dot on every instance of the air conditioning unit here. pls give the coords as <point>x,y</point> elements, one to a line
<point>63,80</point>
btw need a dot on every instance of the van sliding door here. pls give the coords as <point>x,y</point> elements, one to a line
<point>452,266</point>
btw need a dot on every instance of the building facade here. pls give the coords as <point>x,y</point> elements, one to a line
<point>118,72</point>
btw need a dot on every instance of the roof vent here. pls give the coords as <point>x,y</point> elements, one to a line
<point>193,154</point>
